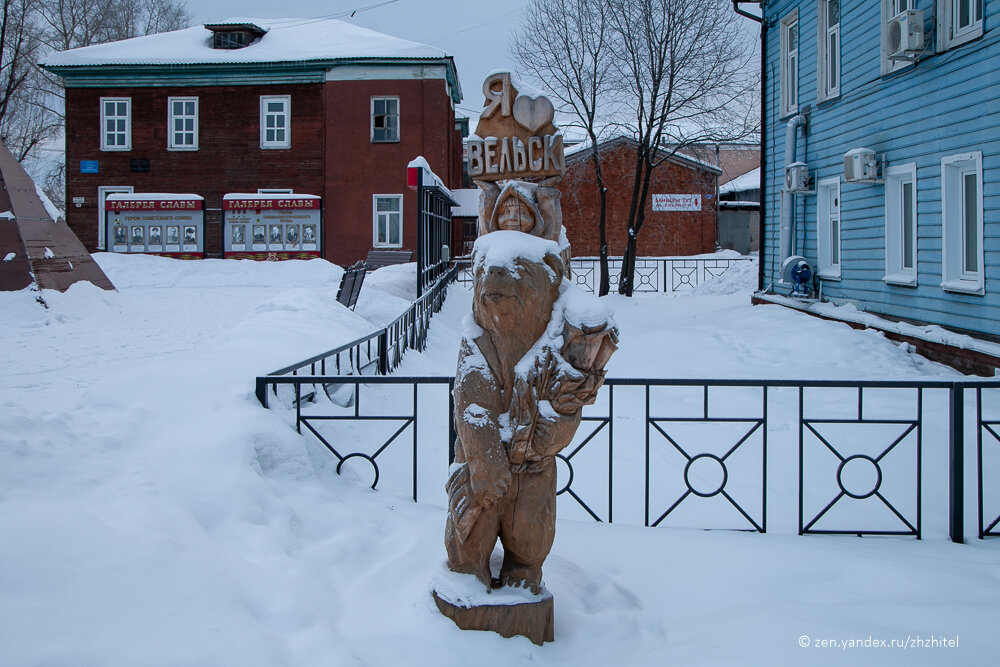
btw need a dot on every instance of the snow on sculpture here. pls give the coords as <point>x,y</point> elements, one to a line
<point>532,355</point>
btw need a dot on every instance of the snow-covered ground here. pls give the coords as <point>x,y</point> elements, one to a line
<point>151,513</point>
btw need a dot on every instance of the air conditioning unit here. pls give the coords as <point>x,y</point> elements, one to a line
<point>797,177</point>
<point>906,35</point>
<point>860,165</point>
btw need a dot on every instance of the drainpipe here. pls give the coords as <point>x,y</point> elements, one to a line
<point>787,199</point>
<point>762,214</point>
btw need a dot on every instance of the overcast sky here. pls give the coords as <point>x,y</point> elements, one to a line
<point>475,32</point>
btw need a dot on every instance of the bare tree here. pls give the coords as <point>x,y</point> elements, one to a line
<point>566,46</point>
<point>36,114</point>
<point>24,125</point>
<point>683,67</point>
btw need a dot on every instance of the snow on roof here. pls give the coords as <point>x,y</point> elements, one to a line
<point>145,196</point>
<point>287,40</point>
<point>747,181</point>
<point>680,156</point>
<point>269,196</point>
<point>468,202</point>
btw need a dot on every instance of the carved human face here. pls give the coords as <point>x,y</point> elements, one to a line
<point>515,215</point>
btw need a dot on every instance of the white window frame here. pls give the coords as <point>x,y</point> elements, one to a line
<point>896,229</point>
<point>789,71</point>
<point>826,87</point>
<point>102,219</point>
<point>891,9</point>
<point>127,131</point>
<point>286,114</point>
<point>955,273</point>
<point>384,98</point>
<point>949,33</point>
<point>375,219</point>
<point>828,229</point>
<point>172,131</point>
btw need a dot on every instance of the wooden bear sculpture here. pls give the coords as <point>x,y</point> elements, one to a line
<point>518,402</point>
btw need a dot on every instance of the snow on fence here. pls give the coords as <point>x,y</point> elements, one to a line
<point>662,275</point>
<point>831,457</point>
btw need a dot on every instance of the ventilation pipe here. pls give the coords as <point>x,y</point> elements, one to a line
<point>785,238</point>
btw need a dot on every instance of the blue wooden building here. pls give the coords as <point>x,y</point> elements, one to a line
<point>882,156</point>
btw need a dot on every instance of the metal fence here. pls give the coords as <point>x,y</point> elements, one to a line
<point>854,458</point>
<point>379,352</point>
<point>661,275</point>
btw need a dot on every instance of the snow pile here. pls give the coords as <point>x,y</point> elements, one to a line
<point>739,278</point>
<point>153,514</point>
<point>503,248</point>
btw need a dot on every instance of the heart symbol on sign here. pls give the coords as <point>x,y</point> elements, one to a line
<point>533,113</point>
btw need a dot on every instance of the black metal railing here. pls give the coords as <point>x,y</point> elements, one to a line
<point>381,351</point>
<point>664,275</point>
<point>698,453</point>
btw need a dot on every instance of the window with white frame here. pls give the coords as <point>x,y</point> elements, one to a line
<point>901,225</point>
<point>116,123</point>
<point>962,222</point>
<point>828,228</point>
<point>275,121</point>
<point>958,21</point>
<point>891,9</point>
<point>828,51</point>
<point>388,221</point>
<point>385,119</point>
<point>790,64</point>
<point>183,123</point>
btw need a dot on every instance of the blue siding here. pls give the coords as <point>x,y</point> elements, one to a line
<point>947,103</point>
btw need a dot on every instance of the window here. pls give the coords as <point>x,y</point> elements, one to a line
<point>790,64</point>
<point>183,123</point>
<point>962,222</point>
<point>959,21</point>
<point>388,216</point>
<point>828,228</point>
<point>829,49</point>
<point>275,116</point>
<point>116,123</point>
<point>890,9</point>
<point>901,225</point>
<point>385,119</point>
<point>235,39</point>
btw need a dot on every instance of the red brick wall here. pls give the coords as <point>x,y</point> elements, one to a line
<point>228,159</point>
<point>359,168</point>
<point>331,155</point>
<point>663,233</point>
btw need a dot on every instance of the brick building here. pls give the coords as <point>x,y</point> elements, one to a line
<point>310,107</point>
<point>680,212</point>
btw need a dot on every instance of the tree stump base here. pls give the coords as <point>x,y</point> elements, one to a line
<point>516,612</point>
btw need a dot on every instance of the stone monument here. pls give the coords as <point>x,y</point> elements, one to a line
<point>532,355</point>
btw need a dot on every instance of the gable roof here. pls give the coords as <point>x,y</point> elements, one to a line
<point>581,151</point>
<point>285,41</point>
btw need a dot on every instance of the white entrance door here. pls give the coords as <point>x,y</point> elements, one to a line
<point>102,194</point>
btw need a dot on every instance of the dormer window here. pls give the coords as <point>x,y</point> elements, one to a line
<point>234,35</point>
<point>236,39</point>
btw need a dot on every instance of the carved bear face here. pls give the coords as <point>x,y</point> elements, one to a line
<point>517,302</point>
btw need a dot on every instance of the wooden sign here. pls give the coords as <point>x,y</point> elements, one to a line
<point>516,137</point>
